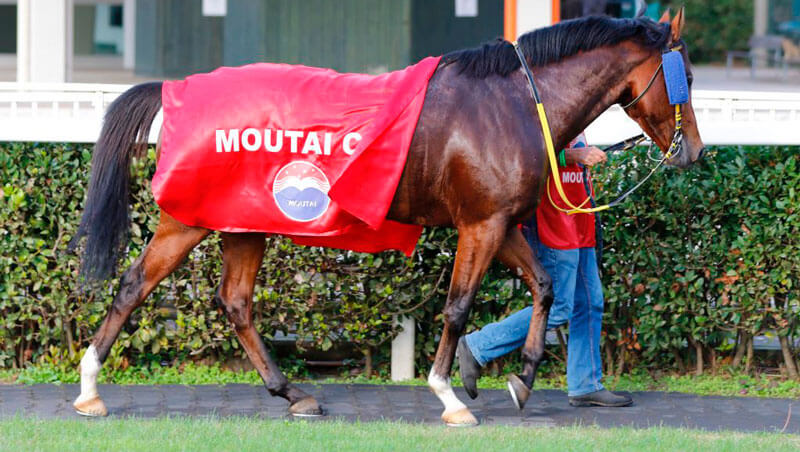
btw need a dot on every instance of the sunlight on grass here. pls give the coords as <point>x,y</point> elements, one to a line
<point>253,434</point>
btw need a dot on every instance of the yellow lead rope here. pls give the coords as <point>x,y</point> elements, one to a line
<point>551,156</point>
<point>551,152</point>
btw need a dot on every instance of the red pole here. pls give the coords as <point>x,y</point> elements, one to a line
<point>510,20</point>
<point>555,11</point>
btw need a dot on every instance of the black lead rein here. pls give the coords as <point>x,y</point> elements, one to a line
<point>623,145</point>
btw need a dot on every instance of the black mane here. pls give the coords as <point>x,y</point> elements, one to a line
<point>547,45</point>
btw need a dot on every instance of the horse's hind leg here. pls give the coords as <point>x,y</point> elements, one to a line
<point>171,243</point>
<point>242,256</point>
<point>477,245</point>
<point>517,255</point>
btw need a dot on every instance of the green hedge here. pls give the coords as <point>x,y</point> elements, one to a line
<point>324,296</point>
<point>697,260</point>
<point>714,27</point>
<point>707,255</point>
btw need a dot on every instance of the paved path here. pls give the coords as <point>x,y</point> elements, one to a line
<point>410,403</point>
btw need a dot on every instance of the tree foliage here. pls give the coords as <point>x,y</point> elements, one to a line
<point>714,27</point>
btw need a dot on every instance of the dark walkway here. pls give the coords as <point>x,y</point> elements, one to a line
<point>413,404</point>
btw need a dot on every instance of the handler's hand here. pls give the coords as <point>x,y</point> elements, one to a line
<point>588,156</point>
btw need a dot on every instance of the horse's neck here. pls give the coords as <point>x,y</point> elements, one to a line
<point>578,89</point>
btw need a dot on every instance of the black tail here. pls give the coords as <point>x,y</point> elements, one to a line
<point>106,220</point>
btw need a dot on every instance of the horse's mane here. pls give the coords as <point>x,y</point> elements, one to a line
<point>551,44</point>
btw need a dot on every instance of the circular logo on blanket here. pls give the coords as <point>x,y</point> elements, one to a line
<point>301,191</point>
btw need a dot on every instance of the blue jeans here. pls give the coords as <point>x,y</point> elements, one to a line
<point>578,300</point>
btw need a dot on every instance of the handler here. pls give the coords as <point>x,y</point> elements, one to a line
<point>565,245</point>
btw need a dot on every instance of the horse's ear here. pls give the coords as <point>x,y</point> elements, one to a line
<point>677,25</point>
<point>664,17</point>
<point>641,8</point>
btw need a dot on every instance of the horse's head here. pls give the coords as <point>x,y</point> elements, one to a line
<point>649,104</point>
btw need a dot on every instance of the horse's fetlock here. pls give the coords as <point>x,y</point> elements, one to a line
<point>532,356</point>
<point>277,385</point>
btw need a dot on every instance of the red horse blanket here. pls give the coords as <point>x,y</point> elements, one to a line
<point>305,152</point>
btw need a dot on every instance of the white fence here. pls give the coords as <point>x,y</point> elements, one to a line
<point>724,117</point>
<point>73,112</point>
<point>58,112</point>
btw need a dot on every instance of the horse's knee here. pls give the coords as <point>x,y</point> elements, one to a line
<point>545,284</point>
<point>456,314</point>
<point>544,280</point>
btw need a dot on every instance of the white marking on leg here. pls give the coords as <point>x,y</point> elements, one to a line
<point>90,368</point>
<point>441,387</point>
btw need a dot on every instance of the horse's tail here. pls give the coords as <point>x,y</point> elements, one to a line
<point>106,220</point>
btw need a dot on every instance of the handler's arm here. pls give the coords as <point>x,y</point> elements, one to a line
<point>587,156</point>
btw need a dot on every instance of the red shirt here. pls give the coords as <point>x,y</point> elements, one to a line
<point>557,229</point>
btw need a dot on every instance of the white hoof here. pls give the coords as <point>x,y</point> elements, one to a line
<point>93,407</point>
<point>459,418</point>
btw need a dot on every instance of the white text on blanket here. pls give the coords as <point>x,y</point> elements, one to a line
<point>252,139</point>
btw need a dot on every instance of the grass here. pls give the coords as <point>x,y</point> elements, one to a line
<point>256,434</point>
<point>243,434</point>
<point>725,384</point>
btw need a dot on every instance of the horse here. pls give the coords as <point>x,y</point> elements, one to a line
<point>476,162</point>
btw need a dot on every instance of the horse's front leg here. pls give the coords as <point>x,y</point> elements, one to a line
<point>477,245</point>
<point>517,255</point>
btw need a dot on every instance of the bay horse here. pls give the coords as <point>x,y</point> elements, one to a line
<point>476,162</point>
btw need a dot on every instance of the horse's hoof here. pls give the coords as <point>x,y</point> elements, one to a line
<point>459,418</point>
<point>307,407</point>
<point>93,407</point>
<point>519,392</point>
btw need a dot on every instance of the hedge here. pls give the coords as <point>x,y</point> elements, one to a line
<point>695,264</point>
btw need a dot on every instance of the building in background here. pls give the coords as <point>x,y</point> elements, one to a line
<point>50,40</point>
<point>175,37</point>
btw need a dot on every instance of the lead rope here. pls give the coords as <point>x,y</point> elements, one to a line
<point>548,141</point>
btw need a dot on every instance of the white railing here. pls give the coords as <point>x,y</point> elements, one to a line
<point>73,112</point>
<point>58,112</point>
<point>724,117</point>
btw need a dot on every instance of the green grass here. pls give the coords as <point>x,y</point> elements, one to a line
<point>240,434</point>
<point>189,374</point>
<point>724,384</point>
